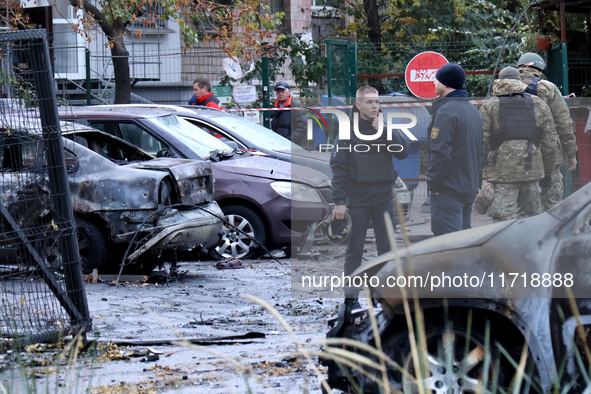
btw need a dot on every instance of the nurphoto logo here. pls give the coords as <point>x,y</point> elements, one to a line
<point>345,130</point>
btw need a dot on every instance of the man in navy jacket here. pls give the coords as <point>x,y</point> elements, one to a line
<point>363,178</point>
<point>455,153</point>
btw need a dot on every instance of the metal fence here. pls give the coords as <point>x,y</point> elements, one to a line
<point>383,66</point>
<point>163,76</point>
<point>41,291</point>
<point>579,76</point>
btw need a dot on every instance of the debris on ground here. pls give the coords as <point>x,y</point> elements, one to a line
<point>124,278</point>
<point>229,263</point>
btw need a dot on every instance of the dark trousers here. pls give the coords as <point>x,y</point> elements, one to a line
<point>448,214</point>
<point>360,216</point>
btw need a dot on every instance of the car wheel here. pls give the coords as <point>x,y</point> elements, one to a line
<point>240,244</point>
<point>455,364</point>
<point>92,246</point>
<point>459,359</point>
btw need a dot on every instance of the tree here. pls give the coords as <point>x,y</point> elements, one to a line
<point>373,20</point>
<point>241,28</point>
<point>469,32</point>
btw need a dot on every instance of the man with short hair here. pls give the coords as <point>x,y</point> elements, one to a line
<point>202,94</point>
<point>519,147</point>
<point>455,153</point>
<point>364,176</point>
<point>530,67</point>
<point>289,124</point>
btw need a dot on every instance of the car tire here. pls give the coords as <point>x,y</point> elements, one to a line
<point>457,340</point>
<point>92,246</point>
<point>235,243</point>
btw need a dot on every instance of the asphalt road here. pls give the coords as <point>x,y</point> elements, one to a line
<point>202,303</point>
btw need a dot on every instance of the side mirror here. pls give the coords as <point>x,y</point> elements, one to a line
<point>164,153</point>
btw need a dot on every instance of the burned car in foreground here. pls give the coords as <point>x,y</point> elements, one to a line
<point>487,296</point>
<point>126,202</point>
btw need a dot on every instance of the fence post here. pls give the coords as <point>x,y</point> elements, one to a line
<point>266,101</point>
<point>328,69</point>
<point>352,67</point>
<point>88,88</point>
<point>59,188</point>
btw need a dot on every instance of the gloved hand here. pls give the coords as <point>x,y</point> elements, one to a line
<point>546,182</point>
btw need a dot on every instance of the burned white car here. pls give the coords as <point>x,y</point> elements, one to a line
<point>127,204</point>
<point>489,297</point>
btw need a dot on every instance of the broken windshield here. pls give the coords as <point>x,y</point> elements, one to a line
<point>194,137</point>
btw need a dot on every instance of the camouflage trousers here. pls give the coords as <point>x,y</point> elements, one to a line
<point>553,194</point>
<point>515,200</point>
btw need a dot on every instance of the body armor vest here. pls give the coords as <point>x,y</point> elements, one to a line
<point>517,121</point>
<point>375,165</point>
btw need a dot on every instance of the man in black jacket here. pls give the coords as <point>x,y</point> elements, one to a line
<point>455,153</point>
<point>363,178</point>
<point>289,124</point>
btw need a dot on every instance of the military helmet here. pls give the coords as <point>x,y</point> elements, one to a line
<point>533,60</point>
<point>336,231</point>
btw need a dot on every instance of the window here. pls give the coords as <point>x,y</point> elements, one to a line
<point>212,131</point>
<point>67,45</point>
<point>65,54</point>
<point>151,145</point>
<point>133,134</point>
<point>110,128</point>
<point>325,8</point>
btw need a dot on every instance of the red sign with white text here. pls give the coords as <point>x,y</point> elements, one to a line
<point>420,73</point>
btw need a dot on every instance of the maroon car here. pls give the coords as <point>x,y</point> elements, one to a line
<point>267,200</point>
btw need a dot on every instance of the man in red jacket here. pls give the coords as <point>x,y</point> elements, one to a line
<point>202,94</point>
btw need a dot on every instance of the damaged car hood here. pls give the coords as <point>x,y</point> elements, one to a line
<point>179,168</point>
<point>453,241</point>
<point>185,172</point>
<point>460,239</point>
<point>265,167</point>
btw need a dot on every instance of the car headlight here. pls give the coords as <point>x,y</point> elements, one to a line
<point>296,191</point>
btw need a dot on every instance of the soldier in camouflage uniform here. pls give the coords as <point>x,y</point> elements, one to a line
<point>530,67</point>
<point>519,147</point>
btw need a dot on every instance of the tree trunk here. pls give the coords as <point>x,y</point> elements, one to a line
<point>121,72</point>
<point>373,21</point>
<point>115,32</point>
